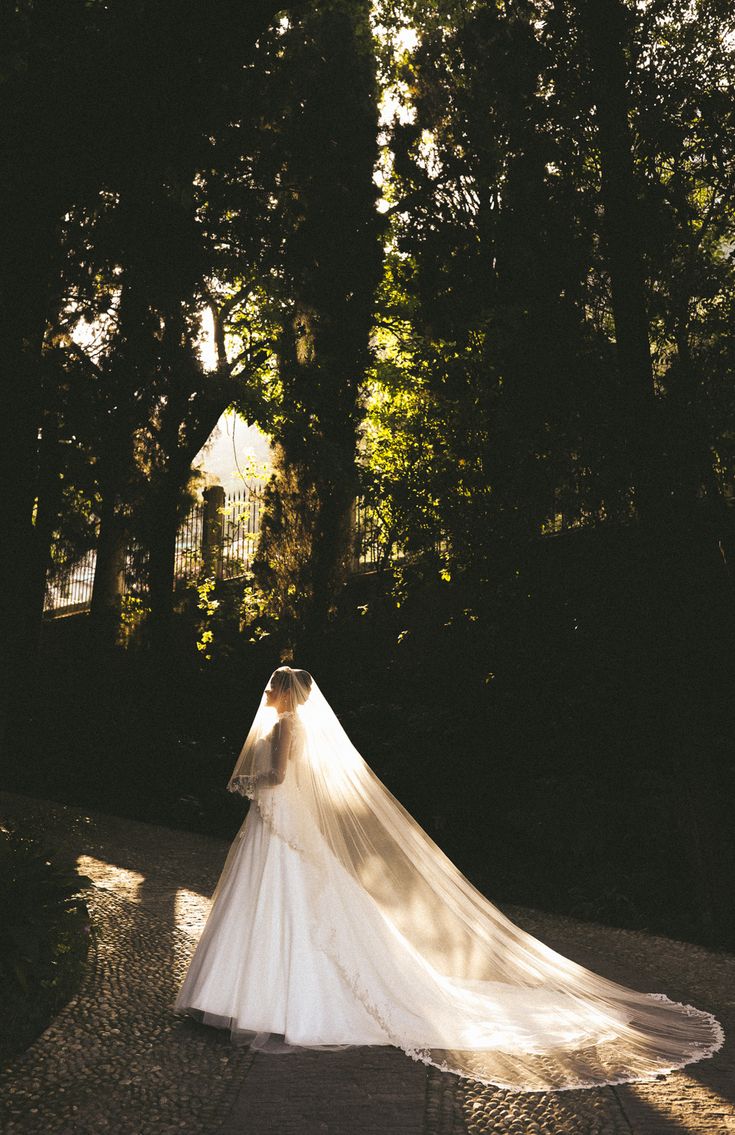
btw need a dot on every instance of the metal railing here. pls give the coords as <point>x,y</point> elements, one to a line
<point>217,538</point>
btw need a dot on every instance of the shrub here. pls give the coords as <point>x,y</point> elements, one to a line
<point>44,938</point>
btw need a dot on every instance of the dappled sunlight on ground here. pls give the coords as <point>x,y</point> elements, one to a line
<point>190,908</point>
<point>678,1103</point>
<point>121,880</point>
<point>190,911</point>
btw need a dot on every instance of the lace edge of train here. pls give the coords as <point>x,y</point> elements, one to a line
<point>698,1051</point>
<point>580,1085</point>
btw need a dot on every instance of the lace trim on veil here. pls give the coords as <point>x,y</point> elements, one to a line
<point>244,785</point>
<point>462,988</point>
<point>325,938</point>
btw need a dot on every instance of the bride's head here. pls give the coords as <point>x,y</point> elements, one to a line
<point>288,688</point>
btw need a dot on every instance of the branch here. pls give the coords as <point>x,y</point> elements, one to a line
<point>72,348</point>
<point>234,301</point>
<point>220,314</point>
<point>415,196</point>
<point>206,410</point>
<point>255,361</point>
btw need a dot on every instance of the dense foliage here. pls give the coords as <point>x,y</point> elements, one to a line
<point>330,267</point>
<point>498,404</point>
<point>43,940</point>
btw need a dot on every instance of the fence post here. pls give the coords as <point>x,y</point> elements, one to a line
<point>356,536</point>
<point>108,583</point>
<point>213,531</point>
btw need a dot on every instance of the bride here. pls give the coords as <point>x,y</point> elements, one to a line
<point>337,921</point>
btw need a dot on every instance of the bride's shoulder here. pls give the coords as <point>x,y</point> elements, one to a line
<point>292,721</point>
<point>290,718</point>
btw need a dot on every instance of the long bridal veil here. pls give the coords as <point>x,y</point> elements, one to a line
<point>456,983</point>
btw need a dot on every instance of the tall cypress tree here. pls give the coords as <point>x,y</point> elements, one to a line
<point>331,263</point>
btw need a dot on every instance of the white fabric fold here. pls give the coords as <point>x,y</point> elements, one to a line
<point>338,921</point>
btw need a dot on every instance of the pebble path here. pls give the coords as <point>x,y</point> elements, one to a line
<point>118,1061</point>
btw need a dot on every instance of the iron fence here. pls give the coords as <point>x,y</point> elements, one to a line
<point>188,557</point>
<point>240,529</point>
<point>217,538</point>
<point>72,591</point>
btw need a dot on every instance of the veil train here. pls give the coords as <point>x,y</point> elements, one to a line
<point>396,944</point>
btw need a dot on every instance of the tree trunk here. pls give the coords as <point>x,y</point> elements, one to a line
<point>109,573</point>
<point>331,263</point>
<point>20,601</point>
<point>332,548</point>
<point>687,394</point>
<point>161,545</point>
<point>604,27</point>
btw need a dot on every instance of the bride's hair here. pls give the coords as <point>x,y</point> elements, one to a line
<point>296,684</point>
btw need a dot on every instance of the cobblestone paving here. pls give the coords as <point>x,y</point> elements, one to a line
<point>118,1061</point>
<point>362,1091</point>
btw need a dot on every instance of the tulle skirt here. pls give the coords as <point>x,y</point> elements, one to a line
<point>255,970</point>
<point>264,970</point>
<point>338,921</point>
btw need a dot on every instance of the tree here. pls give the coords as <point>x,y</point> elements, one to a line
<point>554,203</point>
<point>515,308</point>
<point>681,113</point>
<point>606,34</point>
<point>326,200</point>
<point>46,51</point>
<point>63,149</point>
<point>492,200</point>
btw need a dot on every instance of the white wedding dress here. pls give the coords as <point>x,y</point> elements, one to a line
<point>304,947</point>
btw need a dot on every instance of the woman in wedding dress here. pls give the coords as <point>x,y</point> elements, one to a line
<point>337,921</point>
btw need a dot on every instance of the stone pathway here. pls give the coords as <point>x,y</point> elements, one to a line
<point>117,1060</point>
